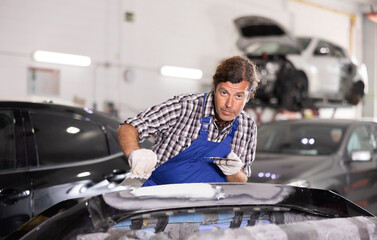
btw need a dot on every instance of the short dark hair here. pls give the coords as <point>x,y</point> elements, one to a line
<point>235,70</point>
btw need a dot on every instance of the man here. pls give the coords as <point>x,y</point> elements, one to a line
<point>192,129</point>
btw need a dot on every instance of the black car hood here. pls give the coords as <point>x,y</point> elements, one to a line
<point>278,168</point>
<point>99,213</point>
<point>257,29</point>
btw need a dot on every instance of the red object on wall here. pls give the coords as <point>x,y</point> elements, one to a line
<point>372,16</point>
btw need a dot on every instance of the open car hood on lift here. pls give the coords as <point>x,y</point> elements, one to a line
<point>257,30</point>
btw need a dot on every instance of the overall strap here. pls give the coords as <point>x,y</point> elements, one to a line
<point>228,139</point>
<point>204,122</point>
<point>234,127</point>
<point>204,103</point>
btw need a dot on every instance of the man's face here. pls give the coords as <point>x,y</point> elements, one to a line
<point>230,99</point>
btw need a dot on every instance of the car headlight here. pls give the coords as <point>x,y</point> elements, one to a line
<point>299,183</point>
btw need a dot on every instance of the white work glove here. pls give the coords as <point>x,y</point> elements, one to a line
<point>142,162</point>
<point>230,167</point>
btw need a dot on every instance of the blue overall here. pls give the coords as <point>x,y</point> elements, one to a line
<point>191,165</point>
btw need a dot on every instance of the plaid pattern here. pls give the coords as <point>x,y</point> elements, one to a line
<point>176,123</point>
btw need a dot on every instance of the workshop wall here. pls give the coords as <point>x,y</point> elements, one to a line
<point>129,40</point>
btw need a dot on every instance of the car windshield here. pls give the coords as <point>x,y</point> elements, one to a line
<point>271,49</point>
<point>299,139</point>
<point>304,42</point>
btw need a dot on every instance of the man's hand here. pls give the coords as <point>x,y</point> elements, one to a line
<point>142,162</point>
<point>230,167</point>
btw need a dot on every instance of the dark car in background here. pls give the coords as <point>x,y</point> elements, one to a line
<point>333,154</point>
<point>50,153</point>
<point>204,211</point>
<point>298,72</point>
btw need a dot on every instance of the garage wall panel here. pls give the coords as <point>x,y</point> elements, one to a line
<point>173,34</point>
<point>312,21</point>
<point>12,70</point>
<point>69,26</point>
<point>370,58</point>
<point>188,33</point>
<point>76,27</point>
<point>198,38</point>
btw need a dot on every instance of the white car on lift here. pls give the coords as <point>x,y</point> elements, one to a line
<point>298,72</point>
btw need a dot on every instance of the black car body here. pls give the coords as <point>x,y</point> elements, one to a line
<point>298,72</point>
<point>178,211</point>
<point>50,153</point>
<point>334,154</point>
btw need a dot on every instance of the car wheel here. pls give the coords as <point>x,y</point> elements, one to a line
<point>294,95</point>
<point>357,93</point>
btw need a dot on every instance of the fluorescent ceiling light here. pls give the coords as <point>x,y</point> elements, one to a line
<point>181,72</point>
<point>61,58</point>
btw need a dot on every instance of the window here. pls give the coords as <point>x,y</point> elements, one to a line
<point>338,52</point>
<point>61,139</point>
<point>113,139</point>
<point>359,141</point>
<point>323,49</point>
<point>299,139</point>
<point>373,139</point>
<point>304,42</point>
<point>7,140</point>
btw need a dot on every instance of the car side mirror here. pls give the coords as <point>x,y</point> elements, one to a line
<point>361,156</point>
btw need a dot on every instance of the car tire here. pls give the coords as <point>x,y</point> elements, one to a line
<point>294,92</point>
<point>357,93</point>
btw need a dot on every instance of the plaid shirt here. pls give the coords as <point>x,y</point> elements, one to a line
<point>176,123</point>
